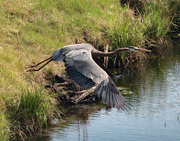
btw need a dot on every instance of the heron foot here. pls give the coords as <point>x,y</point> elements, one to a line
<point>32,70</point>
<point>31,66</point>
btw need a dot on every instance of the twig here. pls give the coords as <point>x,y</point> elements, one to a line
<point>83,95</point>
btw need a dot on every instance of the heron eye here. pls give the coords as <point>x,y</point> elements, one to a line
<point>84,52</point>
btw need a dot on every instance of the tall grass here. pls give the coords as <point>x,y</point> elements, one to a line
<point>143,30</point>
<point>4,127</point>
<point>157,20</point>
<point>30,113</point>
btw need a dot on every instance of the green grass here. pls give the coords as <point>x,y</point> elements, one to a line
<point>30,112</point>
<point>4,127</point>
<point>31,29</point>
<point>142,30</point>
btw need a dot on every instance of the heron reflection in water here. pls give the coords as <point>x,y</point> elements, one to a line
<point>81,67</point>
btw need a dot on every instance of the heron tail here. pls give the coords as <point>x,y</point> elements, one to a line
<point>58,55</point>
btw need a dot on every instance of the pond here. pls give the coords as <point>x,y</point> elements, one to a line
<point>154,90</point>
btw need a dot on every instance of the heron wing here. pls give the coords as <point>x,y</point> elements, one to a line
<point>82,69</point>
<point>100,63</point>
<point>109,94</point>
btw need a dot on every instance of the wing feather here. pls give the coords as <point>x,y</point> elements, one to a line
<point>109,94</point>
<point>81,67</point>
<point>104,96</point>
<point>79,78</point>
<point>111,102</point>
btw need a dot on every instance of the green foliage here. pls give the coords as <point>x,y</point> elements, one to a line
<point>34,106</point>
<point>128,32</point>
<point>30,113</point>
<point>144,29</point>
<point>157,20</point>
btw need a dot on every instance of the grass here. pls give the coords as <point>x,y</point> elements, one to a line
<point>141,30</point>
<point>30,113</point>
<point>4,127</point>
<point>31,29</point>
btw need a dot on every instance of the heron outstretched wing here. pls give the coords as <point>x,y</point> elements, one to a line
<point>109,94</point>
<point>81,67</point>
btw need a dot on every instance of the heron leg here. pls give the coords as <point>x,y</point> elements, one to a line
<point>31,66</point>
<point>37,69</point>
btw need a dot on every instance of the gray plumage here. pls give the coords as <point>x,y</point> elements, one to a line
<point>81,67</point>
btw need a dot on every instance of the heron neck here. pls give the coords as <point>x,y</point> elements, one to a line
<point>96,52</point>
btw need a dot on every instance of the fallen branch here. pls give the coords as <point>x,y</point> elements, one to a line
<point>82,96</point>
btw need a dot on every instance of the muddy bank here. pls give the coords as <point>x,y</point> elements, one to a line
<point>68,91</point>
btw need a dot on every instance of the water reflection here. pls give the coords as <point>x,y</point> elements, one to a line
<point>155,115</point>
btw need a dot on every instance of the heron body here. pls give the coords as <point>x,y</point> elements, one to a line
<point>81,68</point>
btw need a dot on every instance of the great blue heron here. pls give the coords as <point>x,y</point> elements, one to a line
<point>81,67</point>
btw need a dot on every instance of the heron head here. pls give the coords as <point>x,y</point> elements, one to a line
<point>136,49</point>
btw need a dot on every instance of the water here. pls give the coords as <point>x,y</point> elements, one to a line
<point>154,117</point>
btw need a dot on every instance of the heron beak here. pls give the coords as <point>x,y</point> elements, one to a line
<point>143,50</point>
